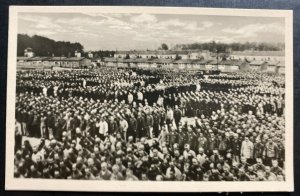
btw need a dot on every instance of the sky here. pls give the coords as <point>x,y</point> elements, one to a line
<point>97,31</point>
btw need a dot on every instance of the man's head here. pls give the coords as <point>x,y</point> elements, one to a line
<point>201,150</point>
<point>215,152</point>
<point>118,161</point>
<point>115,169</point>
<point>259,160</point>
<point>187,147</point>
<point>194,162</point>
<point>103,166</point>
<point>159,178</point>
<point>267,169</point>
<point>74,167</point>
<point>274,162</point>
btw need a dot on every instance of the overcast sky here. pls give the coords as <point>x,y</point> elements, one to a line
<point>147,31</point>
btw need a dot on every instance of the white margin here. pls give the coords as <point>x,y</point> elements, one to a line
<point>12,183</point>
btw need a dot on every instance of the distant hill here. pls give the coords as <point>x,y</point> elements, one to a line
<point>43,46</point>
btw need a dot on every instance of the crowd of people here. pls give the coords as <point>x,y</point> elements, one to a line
<point>121,125</point>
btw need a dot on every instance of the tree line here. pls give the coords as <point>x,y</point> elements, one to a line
<point>227,47</point>
<point>43,46</point>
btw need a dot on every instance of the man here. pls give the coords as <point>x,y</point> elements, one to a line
<point>140,126</point>
<point>258,149</point>
<point>242,176</point>
<point>153,172</point>
<point>30,125</point>
<point>140,97</point>
<point>191,138</point>
<point>130,98</point>
<point>71,124</point>
<point>105,174</point>
<point>162,115</point>
<point>177,115</point>
<point>259,166</point>
<point>188,153</point>
<point>224,144</point>
<point>59,126</point>
<point>156,123</point>
<point>201,157</point>
<point>173,173</point>
<point>43,126</point>
<point>270,176</point>
<point>34,173</point>
<point>275,168</point>
<point>24,122</point>
<point>235,146</point>
<point>123,128</point>
<point>132,127</point>
<point>212,143</point>
<point>181,138</point>
<point>247,149</point>
<point>88,174</point>
<point>261,176</point>
<point>270,152</point>
<point>171,137</point>
<point>116,175</point>
<point>103,128</point>
<point>149,124</point>
<point>50,121</point>
<point>130,176</point>
<point>202,142</point>
<point>45,90</point>
<point>215,157</point>
<point>84,83</point>
<point>118,162</point>
<point>18,137</point>
<point>112,126</point>
<point>196,173</point>
<point>162,138</point>
<point>244,164</point>
<point>156,157</point>
<point>169,116</point>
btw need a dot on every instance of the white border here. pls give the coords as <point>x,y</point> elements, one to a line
<point>12,183</point>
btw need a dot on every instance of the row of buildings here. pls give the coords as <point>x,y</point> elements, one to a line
<point>224,65</point>
<point>163,54</point>
<point>50,62</point>
<point>29,60</point>
<point>266,61</point>
<point>204,54</point>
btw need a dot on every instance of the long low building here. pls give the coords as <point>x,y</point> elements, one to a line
<point>49,62</point>
<point>197,64</point>
<point>163,54</point>
<point>258,55</point>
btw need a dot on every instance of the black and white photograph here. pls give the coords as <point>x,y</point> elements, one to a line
<point>149,99</point>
